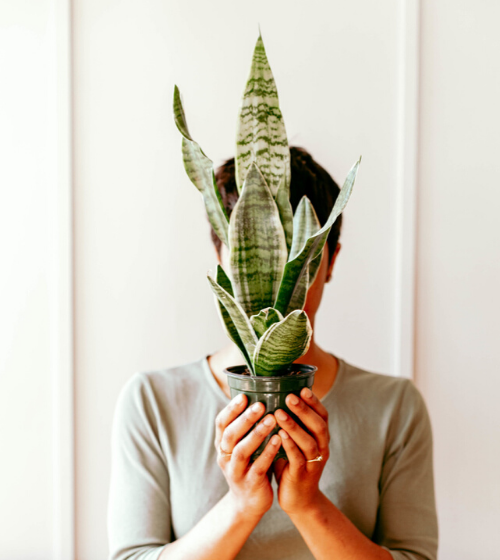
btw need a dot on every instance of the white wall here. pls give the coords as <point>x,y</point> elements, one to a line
<point>25,316</point>
<point>458,304</point>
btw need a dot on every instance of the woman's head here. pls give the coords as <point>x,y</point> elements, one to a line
<point>307,178</point>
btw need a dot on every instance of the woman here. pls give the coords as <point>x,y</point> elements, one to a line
<point>359,486</point>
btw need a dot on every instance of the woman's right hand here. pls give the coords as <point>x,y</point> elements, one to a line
<point>249,486</point>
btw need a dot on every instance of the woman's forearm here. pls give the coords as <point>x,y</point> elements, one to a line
<point>330,534</point>
<point>219,535</point>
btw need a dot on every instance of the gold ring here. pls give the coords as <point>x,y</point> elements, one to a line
<point>223,453</point>
<point>318,458</point>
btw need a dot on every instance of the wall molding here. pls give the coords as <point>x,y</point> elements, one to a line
<point>60,169</point>
<point>406,186</point>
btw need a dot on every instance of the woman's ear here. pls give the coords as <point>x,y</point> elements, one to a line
<point>332,262</point>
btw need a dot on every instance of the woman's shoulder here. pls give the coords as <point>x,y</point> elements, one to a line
<point>165,388</point>
<point>366,383</point>
<point>186,374</point>
<point>381,392</point>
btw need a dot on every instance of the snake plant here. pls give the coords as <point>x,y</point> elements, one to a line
<point>273,254</point>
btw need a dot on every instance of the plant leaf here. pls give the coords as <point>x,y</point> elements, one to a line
<point>282,344</point>
<point>238,317</point>
<point>299,296</point>
<point>264,320</point>
<point>295,268</point>
<point>229,327</point>
<point>200,170</point>
<point>261,134</point>
<point>285,209</point>
<point>305,224</point>
<point>257,246</point>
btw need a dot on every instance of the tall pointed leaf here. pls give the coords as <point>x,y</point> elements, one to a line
<point>257,246</point>
<point>238,317</point>
<point>285,209</point>
<point>200,170</point>
<point>261,134</point>
<point>305,224</point>
<point>229,327</point>
<point>295,268</point>
<point>264,320</point>
<point>298,299</point>
<point>282,344</point>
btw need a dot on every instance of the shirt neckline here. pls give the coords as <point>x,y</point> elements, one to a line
<point>210,378</point>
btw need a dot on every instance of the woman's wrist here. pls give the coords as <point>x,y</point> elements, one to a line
<point>312,508</point>
<point>308,507</point>
<point>240,511</point>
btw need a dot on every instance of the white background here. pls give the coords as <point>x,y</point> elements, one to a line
<point>140,241</point>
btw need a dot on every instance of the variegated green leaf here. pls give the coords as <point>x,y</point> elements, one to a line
<point>298,299</point>
<point>180,116</point>
<point>257,246</point>
<point>285,210</point>
<point>238,317</point>
<point>305,224</point>
<point>296,268</point>
<point>200,170</point>
<point>282,344</point>
<point>264,320</point>
<point>261,134</point>
<point>229,327</point>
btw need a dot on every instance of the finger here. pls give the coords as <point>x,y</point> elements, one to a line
<point>296,460</point>
<point>311,420</point>
<point>306,443</point>
<point>261,466</point>
<point>248,445</point>
<point>312,400</point>
<point>228,414</point>
<point>237,429</point>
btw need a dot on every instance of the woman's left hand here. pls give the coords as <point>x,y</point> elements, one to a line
<point>298,478</point>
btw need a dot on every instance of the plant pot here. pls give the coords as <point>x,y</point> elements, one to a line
<point>271,392</point>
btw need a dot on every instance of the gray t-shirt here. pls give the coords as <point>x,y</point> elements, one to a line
<point>165,475</point>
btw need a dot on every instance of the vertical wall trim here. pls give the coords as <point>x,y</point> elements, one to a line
<point>61,283</point>
<point>404,320</point>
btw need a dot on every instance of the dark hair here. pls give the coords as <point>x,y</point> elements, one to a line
<point>307,178</point>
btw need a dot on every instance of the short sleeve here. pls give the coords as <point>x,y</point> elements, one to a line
<point>138,504</point>
<point>407,521</point>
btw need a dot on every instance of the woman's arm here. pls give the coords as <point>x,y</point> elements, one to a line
<point>326,530</point>
<point>219,535</point>
<point>223,531</point>
<point>330,534</point>
<point>139,516</point>
<point>406,524</point>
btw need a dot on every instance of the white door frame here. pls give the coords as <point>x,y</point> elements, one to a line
<point>60,166</point>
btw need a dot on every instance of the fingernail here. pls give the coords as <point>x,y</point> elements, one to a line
<point>293,399</point>
<point>275,440</point>
<point>307,393</point>
<point>269,421</point>
<point>255,407</point>
<point>284,435</point>
<point>238,399</point>
<point>281,414</point>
